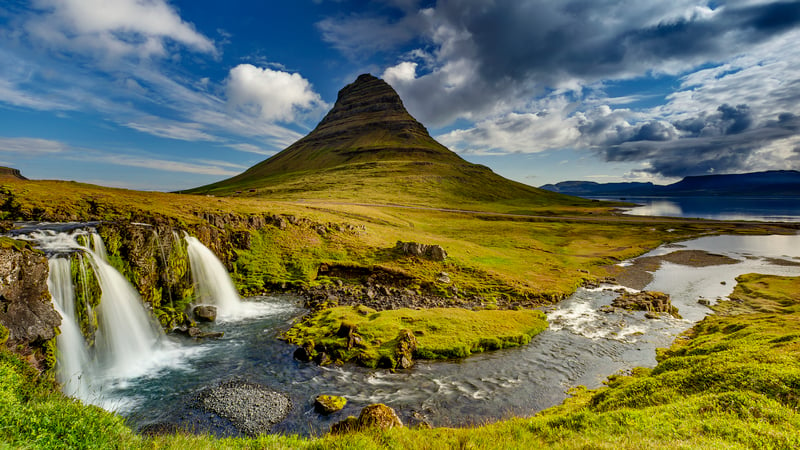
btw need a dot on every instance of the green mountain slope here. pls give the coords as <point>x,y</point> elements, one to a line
<point>368,148</point>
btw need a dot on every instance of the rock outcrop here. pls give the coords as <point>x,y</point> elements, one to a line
<point>26,309</point>
<point>432,252</point>
<point>651,301</point>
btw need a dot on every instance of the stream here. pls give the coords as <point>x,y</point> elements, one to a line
<point>582,347</point>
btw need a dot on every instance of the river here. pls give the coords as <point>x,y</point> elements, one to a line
<point>582,347</point>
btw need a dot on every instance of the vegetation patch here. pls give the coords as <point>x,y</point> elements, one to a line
<point>381,339</point>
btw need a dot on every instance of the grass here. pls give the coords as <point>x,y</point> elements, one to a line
<point>730,382</point>
<point>440,333</point>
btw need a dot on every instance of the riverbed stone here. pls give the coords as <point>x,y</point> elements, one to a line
<point>205,313</point>
<point>329,404</point>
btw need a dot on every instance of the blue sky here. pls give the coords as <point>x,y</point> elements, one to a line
<point>166,95</point>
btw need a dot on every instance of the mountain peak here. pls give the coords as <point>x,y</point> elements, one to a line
<point>369,148</point>
<point>366,104</point>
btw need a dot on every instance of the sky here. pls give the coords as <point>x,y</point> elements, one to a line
<point>172,94</point>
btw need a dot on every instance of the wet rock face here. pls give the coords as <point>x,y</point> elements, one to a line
<point>26,309</point>
<point>205,313</point>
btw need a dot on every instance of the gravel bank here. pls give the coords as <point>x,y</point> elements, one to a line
<point>252,408</point>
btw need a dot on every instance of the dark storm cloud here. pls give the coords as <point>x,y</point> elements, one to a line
<point>726,149</point>
<point>591,39</point>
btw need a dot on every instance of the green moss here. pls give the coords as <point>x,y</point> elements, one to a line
<point>440,333</point>
<point>4,334</point>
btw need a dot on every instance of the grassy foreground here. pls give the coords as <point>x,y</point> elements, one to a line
<point>732,381</point>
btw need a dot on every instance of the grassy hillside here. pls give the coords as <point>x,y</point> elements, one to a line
<point>490,255</point>
<point>729,382</point>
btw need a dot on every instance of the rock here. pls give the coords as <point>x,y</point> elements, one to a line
<point>443,277</point>
<point>406,346</point>
<point>329,404</point>
<point>205,313</point>
<point>704,301</point>
<point>348,425</point>
<point>431,252</point>
<point>26,308</point>
<point>378,416</point>
<point>252,408</point>
<point>197,333</point>
<point>650,301</point>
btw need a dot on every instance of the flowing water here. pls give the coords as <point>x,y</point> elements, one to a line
<point>582,346</point>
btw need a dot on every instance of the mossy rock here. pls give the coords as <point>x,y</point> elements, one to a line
<point>329,404</point>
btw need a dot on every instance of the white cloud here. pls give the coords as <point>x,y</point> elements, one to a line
<point>114,28</point>
<point>32,146</point>
<point>250,148</point>
<point>270,94</point>
<point>191,132</point>
<point>405,71</point>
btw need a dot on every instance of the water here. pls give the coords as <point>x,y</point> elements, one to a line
<point>213,285</point>
<point>582,347</point>
<point>717,208</point>
<point>73,356</point>
<point>128,344</point>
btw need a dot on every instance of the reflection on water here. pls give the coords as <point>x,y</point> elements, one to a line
<point>582,347</point>
<point>718,208</point>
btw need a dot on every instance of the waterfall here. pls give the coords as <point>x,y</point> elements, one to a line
<point>98,247</point>
<point>213,285</point>
<point>126,335</point>
<point>128,342</point>
<point>73,356</point>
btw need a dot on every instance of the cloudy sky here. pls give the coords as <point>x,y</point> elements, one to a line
<point>171,94</point>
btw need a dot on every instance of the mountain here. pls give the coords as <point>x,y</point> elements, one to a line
<point>777,183</point>
<point>368,148</point>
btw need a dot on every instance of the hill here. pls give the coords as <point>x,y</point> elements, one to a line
<point>772,183</point>
<point>368,148</point>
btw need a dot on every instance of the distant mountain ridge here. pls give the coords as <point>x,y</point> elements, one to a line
<point>777,183</point>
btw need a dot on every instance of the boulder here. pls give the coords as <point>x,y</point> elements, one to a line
<point>378,416</point>
<point>406,346</point>
<point>205,313</point>
<point>329,404</point>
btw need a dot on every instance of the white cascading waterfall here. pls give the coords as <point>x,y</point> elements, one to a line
<point>126,335</point>
<point>128,342</point>
<point>213,285</point>
<point>73,355</point>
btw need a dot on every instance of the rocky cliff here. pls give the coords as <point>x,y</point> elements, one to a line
<point>28,321</point>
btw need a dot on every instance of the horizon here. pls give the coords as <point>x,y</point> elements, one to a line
<point>170,95</point>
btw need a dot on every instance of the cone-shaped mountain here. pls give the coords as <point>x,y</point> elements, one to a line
<point>369,148</point>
